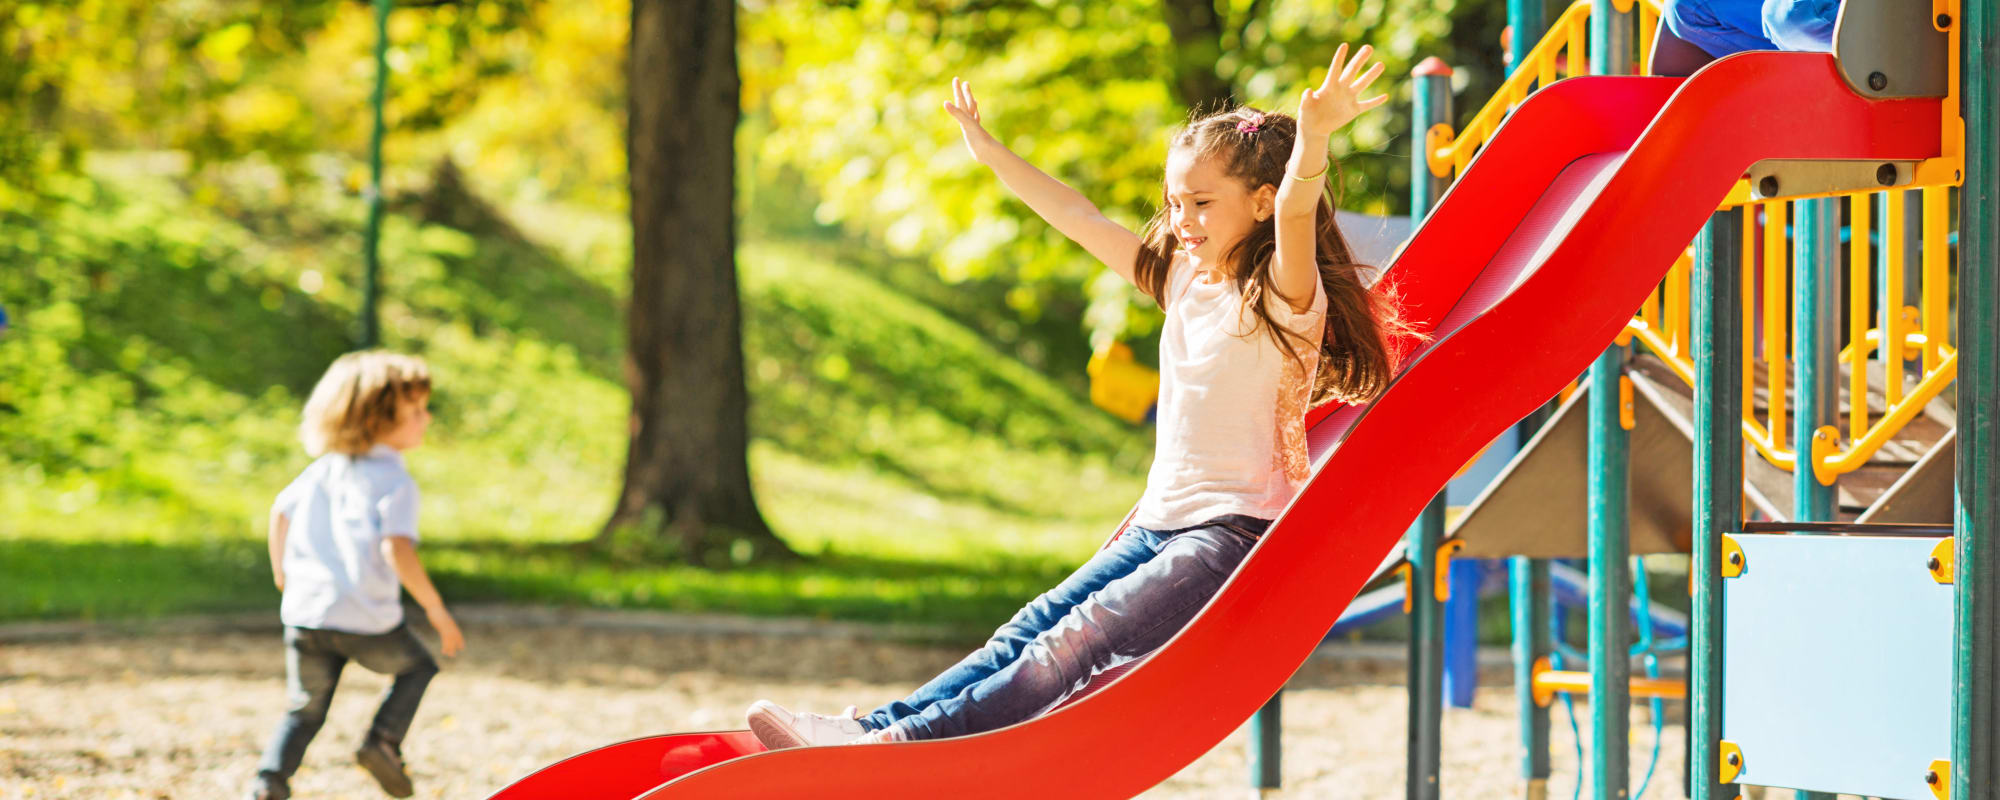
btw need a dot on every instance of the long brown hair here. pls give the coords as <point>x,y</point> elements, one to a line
<point>1356,363</point>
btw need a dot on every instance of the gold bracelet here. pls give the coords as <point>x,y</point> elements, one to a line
<point>1315,176</point>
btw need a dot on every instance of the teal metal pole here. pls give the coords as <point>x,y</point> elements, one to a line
<point>1975,735</point>
<point>1816,260</point>
<point>1716,318</point>
<point>1611,53</point>
<point>1431,92</point>
<point>1528,593</point>
<point>371,332</point>
<point>1815,376</point>
<point>1528,20</point>
<point>1610,582</point>
<point>1426,666</point>
<point>1266,728</point>
<point>1611,39</point>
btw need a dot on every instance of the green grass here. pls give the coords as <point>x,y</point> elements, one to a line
<point>161,348</point>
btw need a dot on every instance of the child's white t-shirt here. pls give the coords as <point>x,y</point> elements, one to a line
<point>339,509</point>
<point>1232,407</point>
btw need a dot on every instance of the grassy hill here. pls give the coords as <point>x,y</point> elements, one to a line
<point>165,332</point>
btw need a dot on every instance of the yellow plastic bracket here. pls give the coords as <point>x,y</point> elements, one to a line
<point>1403,573</point>
<point>1627,417</point>
<point>1436,139</point>
<point>1732,762</point>
<point>1542,694</point>
<point>1940,564</point>
<point>1939,779</point>
<point>1825,450</point>
<point>1442,580</point>
<point>1733,561</point>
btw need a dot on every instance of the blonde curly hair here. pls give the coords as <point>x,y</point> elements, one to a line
<point>359,399</point>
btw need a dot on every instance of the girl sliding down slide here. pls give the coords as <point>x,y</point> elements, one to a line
<point>1266,314</point>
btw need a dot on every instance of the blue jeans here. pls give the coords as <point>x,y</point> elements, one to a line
<point>1123,603</point>
<point>313,661</point>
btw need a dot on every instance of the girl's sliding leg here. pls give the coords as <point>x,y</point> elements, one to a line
<point>1132,549</point>
<point>1128,618</point>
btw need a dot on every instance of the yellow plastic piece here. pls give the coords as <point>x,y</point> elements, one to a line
<point>1403,573</point>
<point>1627,416</point>
<point>1442,580</point>
<point>1121,385</point>
<point>1732,762</point>
<point>1942,556</point>
<point>1825,447</point>
<point>1941,787</point>
<point>1733,561</point>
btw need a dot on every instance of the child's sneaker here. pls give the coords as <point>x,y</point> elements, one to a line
<point>268,789</point>
<point>779,729</point>
<point>384,761</point>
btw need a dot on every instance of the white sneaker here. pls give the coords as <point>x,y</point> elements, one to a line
<point>779,729</point>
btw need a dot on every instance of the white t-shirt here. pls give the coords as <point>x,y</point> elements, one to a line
<point>339,510</point>
<point>1232,407</point>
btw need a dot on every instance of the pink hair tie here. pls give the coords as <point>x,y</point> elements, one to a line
<point>1250,124</point>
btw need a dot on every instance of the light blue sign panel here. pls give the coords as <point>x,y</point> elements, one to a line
<point>1837,664</point>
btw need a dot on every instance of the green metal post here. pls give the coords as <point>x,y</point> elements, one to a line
<point>1610,582</point>
<point>1717,311</point>
<point>1611,53</point>
<point>371,333</point>
<point>1528,20</point>
<point>1432,105</point>
<point>1528,592</point>
<point>1611,39</point>
<point>1266,728</point>
<point>1975,735</point>
<point>1815,375</point>
<point>1816,262</point>
<point>1426,665</point>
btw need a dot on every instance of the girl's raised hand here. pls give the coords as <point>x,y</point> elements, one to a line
<point>1338,99</point>
<point>965,109</point>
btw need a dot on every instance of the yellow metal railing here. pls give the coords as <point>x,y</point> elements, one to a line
<point>1663,323</point>
<point>1916,333</point>
<point>1560,53</point>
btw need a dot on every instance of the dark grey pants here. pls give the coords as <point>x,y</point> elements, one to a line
<point>313,661</point>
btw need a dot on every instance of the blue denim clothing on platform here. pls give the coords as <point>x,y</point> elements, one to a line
<point>1726,27</point>
<point>1718,27</point>
<point>1801,24</point>
<point>1126,601</point>
<point>313,662</point>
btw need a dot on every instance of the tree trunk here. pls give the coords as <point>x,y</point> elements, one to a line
<point>1196,29</point>
<point>687,479</point>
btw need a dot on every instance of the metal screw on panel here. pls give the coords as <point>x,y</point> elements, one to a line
<point>1933,564</point>
<point>1878,81</point>
<point>1768,187</point>
<point>1735,759</point>
<point>1931,777</point>
<point>1886,174</point>
<point>1736,559</point>
<point>1944,20</point>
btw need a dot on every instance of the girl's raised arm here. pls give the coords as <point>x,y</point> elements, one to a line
<point>1322,111</point>
<point>1063,207</point>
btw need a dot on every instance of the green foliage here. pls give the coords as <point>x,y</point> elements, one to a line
<point>848,96</point>
<point>159,352</point>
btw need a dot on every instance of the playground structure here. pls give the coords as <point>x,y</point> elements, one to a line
<point>1857,651</point>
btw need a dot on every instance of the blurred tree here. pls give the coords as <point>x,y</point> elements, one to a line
<point>687,476</point>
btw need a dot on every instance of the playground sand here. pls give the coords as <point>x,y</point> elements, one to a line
<point>185,715</point>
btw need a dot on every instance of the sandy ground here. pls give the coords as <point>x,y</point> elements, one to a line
<point>185,715</point>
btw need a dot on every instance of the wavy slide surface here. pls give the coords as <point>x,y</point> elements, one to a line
<point>1527,269</point>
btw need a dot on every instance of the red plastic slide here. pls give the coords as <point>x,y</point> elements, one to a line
<point>1527,269</point>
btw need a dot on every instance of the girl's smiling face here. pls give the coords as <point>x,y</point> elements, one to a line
<point>1210,211</point>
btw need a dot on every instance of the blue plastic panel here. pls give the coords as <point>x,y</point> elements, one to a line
<point>1837,664</point>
